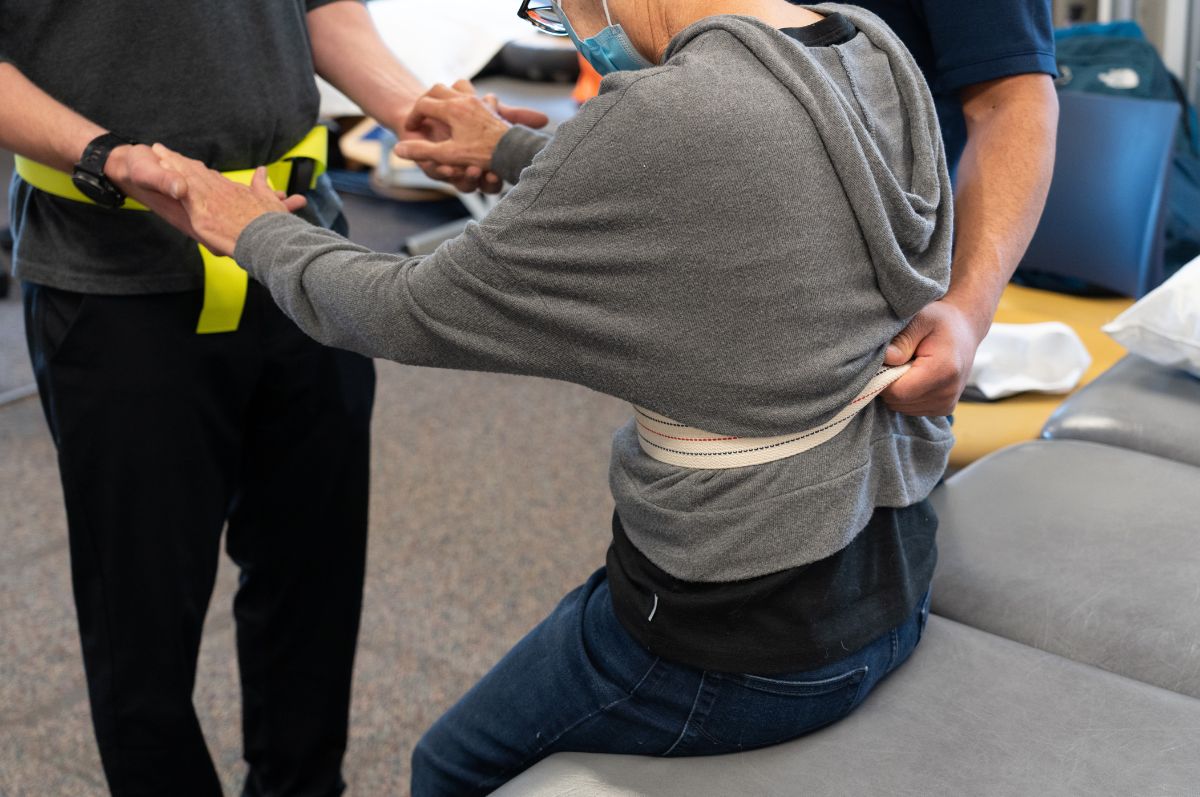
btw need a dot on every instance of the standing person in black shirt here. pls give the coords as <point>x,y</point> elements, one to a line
<point>178,396</point>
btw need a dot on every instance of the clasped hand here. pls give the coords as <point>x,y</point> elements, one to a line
<point>450,132</point>
<point>198,201</point>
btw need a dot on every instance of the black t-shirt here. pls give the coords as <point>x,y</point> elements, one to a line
<point>229,82</point>
<point>958,43</point>
<point>796,619</point>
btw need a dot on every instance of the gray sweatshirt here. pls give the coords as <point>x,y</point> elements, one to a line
<point>730,239</point>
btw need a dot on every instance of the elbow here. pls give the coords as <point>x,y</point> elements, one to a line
<point>1030,99</point>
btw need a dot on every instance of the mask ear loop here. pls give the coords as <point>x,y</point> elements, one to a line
<point>558,7</point>
<point>607,15</point>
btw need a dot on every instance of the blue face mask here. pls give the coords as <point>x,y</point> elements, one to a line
<point>610,50</point>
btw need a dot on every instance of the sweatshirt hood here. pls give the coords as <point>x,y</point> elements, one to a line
<point>883,141</point>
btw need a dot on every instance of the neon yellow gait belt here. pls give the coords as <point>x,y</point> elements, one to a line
<point>225,281</point>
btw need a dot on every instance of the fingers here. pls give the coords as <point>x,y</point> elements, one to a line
<point>295,202</point>
<point>442,91</point>
<point>465,185</point>
<point>292,203</point>
<point>451,134</point>
<point>426,108</point>
<point>522,116</point>
<point>942,340</point>
<point>194,172</point>
<point>437,105</point>
<point>433,105</point>
<point>466,180</point>
<point>260,185</point>
<point>146,172</point>
<point>931,387</point>
<point>444,152</point>
<point>469,181</point>
<point>904,346</point>
<point>172,159</point>
<point>491,183</point>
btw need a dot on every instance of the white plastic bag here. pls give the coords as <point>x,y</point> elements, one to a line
<point>1164,326</point>
<point>1016,358</point>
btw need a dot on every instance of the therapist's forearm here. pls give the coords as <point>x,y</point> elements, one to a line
<point>34,124</point>
<point>1003,179</point>
<point>349,52</point>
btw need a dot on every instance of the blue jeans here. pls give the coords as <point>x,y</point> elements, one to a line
<point>579,682</point>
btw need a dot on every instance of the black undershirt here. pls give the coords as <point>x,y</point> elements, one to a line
<point>797,619</point>
<point>794,620</point>
<point>833,29</point>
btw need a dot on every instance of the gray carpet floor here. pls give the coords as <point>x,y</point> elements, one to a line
<point>482,518</point>
<point>15,373</point>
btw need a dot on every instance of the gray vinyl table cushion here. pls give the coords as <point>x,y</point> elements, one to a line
<point>1136,404</point>
<point>1084,550</point>
<point>969,714</point>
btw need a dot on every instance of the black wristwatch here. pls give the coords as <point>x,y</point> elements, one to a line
<point>89,177</point>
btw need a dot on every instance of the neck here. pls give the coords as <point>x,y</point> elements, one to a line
<point>664,21</point>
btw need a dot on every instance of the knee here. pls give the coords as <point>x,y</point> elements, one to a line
<point>435,776</point>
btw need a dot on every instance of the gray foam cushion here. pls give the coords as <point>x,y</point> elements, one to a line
<point>1080,549</point>
<point>970,713</point>
<point>1136,404</point>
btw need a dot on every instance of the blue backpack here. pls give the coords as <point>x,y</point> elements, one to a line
<point>1117,59</point>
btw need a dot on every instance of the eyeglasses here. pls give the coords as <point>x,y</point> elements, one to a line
<point>543,15</point>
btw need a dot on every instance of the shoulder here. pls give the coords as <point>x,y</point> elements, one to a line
<point>712,90</point>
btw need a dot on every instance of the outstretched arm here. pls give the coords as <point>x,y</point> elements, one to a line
<point>349,52</point>
<point>421,310</point>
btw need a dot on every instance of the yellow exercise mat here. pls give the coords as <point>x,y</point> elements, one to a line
<point>983,427</point>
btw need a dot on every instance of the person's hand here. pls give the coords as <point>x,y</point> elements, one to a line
<point>466,180</point>
<point>219,209</point>
<point>138,172</point>
<point>458,121</point>
<point>942,338</point>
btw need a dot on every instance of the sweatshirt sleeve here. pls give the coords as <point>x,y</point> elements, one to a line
<point>561,280</point>
<point>417,310</point>
<point>516,151</point>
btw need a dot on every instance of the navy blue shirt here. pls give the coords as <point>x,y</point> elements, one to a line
<point>958,43</point>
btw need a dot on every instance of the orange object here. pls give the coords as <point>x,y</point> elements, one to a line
<point>588,85</point>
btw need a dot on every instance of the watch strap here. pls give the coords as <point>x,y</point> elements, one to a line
<point>96,153</point>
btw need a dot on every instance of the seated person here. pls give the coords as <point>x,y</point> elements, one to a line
<point>728,237</point>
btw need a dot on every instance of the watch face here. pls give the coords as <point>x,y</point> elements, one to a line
<point>98,189</point>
